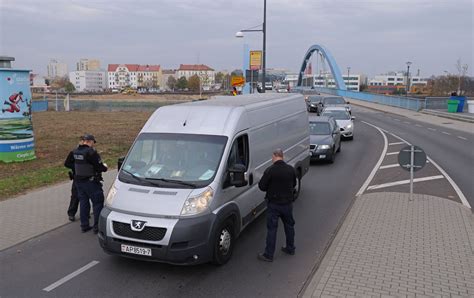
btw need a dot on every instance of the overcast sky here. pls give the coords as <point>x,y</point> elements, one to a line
<point>370,36</point>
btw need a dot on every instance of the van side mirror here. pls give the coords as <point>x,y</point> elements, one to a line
<point>347,102</point>
<point>120,162</point>
<point>237,175</point>
<point>353,117</point>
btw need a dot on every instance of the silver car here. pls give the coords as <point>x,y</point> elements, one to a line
<point>344,120</point>
<point>335,101</point>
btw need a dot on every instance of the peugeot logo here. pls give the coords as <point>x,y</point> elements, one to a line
<point>137,225</point>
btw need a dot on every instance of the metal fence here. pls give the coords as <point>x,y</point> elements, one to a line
<point>108,106</point>
<point>440,103</point>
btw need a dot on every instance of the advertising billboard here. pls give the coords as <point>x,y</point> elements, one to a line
<point>255,60</point>
<point>16,128</point>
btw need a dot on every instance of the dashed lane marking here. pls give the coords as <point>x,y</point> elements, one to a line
<point>418,125</point>
<point>430,128</point>
<point>406,122</point>
<point>396,119</point>
<point>446,133</point>
<point>396,143</point>
<point>70,276</point>
<point>393,165</point>
<point>392,153</point>
<point>402,182</point>
<point>462,138</point>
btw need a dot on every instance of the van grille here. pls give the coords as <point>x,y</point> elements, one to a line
<point>148,233</point>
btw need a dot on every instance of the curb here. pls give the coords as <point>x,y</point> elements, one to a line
<point>445,115</point>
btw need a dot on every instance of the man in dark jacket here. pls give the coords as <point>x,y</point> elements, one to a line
<point>88,167</point>
<point>279,181</point>
<point>74,202</point>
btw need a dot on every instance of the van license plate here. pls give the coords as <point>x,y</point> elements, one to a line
<point>322,156</point>
<point>136,250</point>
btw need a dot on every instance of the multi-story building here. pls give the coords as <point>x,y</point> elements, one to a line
<point>57,69</point>
<point>166,74</point>
<point>206,73</point>
<point>88,80</point>
<point>134,75</point>
<point>88,64</point>
<point>353,81</point>
<point>396,79</point>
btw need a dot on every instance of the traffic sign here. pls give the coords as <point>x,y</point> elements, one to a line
<point>255,60</point>
<point>237,81</point>
<point>419,158</point>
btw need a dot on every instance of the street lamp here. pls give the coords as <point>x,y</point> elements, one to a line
<point>408,78</point>
<point>240,34</point>
<point>348,77</point>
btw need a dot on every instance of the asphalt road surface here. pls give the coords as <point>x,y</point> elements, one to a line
<point>327,192</point>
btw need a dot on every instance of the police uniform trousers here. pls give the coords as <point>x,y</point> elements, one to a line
<point>92,190</point>
<point>74,202</point>
<point>274,212</point>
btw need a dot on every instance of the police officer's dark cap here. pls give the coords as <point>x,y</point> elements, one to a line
<point>88,137</point>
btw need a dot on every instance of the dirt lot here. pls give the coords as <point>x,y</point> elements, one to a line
<point>56,133</point>
<point>127,97</point>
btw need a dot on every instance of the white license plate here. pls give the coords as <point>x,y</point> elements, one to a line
<point>136,250</point>
<point>322,156</point>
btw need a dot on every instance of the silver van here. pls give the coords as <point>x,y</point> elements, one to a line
<point>189,184</point>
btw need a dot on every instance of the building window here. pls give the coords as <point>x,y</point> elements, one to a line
<point>391,79</point>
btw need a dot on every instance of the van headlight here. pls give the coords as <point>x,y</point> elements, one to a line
<point>111,195</point>
<point>349,126</point>
<point>197,204</point>
<point>324,147</point>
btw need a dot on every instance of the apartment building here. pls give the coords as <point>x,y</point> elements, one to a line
<point>88,80</point>
<point>134,75</point>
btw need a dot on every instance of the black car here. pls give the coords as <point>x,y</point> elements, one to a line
<point>325,138</point>
<point>313,103</point>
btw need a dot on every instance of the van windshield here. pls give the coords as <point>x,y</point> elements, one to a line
<point>173,160</point>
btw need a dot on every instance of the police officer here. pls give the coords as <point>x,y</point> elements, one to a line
<point>88,168</point>
<point>74,202</point>
<point>278,181</point>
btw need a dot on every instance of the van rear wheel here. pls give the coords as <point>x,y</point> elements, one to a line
<point>223,242</point>
<point>297,189</point>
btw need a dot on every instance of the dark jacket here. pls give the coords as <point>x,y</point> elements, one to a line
<point>69,163</point>
<point>279,181</point>
<point>87,163</point>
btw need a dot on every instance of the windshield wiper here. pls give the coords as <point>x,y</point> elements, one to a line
<point>140,178</point>
<point>173,181</point>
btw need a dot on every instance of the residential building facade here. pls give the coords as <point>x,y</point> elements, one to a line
<point>88,80</point>
<point>57,69</point>
<point>166,74</point>
<point>353,81</point>
<point>134,75</point>
<point>206,73</point>
<point>88,64</point>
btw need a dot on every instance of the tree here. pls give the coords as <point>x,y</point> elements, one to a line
<point>219,77</point>
<point>59,83</point>
<point>69,87</point>
<point>462,71</point>
<point>182,83</point>
<point>194,83</point>
<point>171,83</point>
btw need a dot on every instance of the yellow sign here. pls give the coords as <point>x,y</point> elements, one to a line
<point>255,60</point>
<point>237,81</point>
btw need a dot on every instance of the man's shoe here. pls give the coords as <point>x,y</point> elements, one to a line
<point>287,251</point>
<point>72,218</point>
<point>95,230</point>
<point>263,257</point>
<point>84,230</point>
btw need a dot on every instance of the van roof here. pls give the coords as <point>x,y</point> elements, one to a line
<point>221,115</point>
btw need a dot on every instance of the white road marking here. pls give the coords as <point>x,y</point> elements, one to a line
<point>430,128</point>
<point>450,180</point>
<point>394,165</point>
<point>418,125</point>
<point>396,143</point>
<point>70,276</point>
<point>379,162</point>
<point>406,122</point>
<point>396,119</point>
<point>462,138</point>
<point>401,182</point>
<point>446,133</point>
<point>392,153</point>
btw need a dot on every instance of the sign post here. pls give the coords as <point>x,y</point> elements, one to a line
<point>412,158</point>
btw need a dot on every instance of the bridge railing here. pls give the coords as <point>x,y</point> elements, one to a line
<point>415,104</point>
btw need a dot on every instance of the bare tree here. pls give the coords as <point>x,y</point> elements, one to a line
<point>462,71</point>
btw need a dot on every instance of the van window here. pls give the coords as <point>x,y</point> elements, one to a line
<point>239,154</point>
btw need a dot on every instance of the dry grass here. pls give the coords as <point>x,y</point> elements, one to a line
<point>57,133</point>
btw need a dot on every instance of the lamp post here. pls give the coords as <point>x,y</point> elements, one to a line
<point>240,34</point>
<point>348,77</point>
<point>408,78</point>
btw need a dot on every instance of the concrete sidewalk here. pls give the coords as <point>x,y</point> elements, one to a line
<point>456,121</point>
<point>389,245</point>
<point>38,212</point>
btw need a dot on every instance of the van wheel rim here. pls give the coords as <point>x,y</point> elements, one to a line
<point>225,240</point>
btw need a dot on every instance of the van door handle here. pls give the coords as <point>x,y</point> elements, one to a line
<point>250,179</point>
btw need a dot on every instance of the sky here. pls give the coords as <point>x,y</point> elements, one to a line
<point>369,36</point>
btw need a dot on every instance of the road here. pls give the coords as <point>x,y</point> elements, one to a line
<point>328,190</point>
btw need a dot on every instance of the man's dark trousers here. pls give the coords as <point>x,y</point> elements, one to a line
<point>285,212</point>
<point>90,190</point>
<point>74,203</point>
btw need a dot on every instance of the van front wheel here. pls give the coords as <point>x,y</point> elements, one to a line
<point>297,189</point>
<point>223,242</point>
